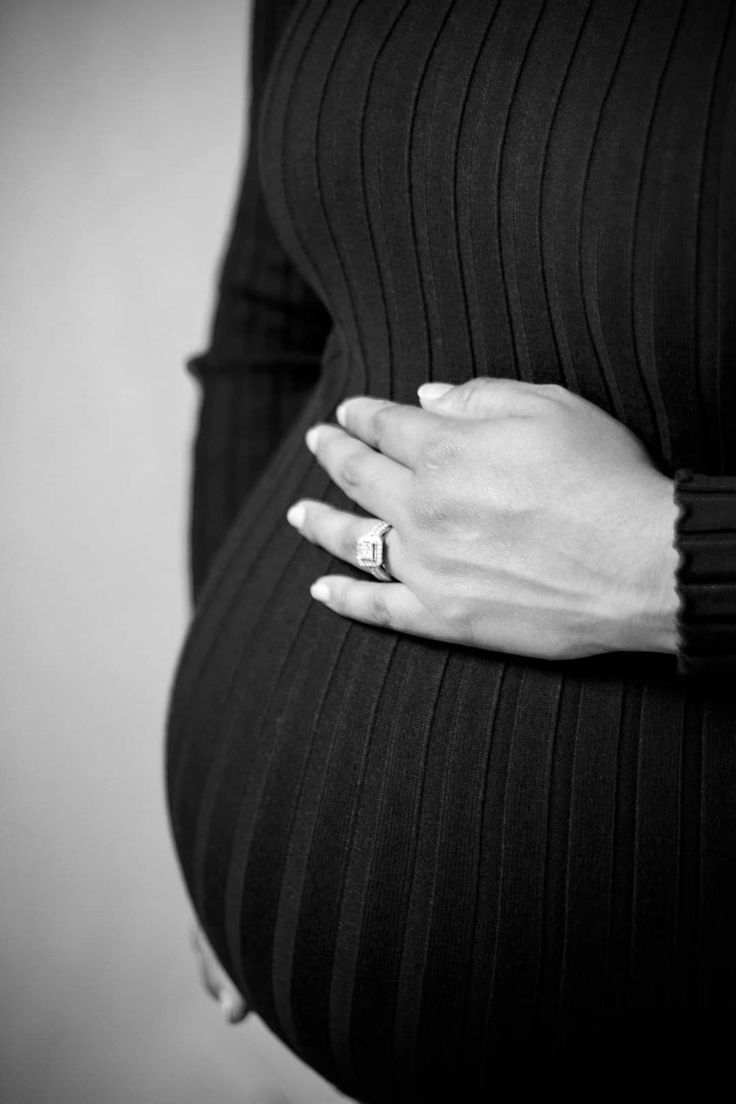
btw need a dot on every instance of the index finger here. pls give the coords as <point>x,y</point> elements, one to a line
<point>394,429</point>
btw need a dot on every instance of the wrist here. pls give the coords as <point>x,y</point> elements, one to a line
<point>643,607</point>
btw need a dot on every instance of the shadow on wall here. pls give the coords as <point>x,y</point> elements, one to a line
<point>121,128</point>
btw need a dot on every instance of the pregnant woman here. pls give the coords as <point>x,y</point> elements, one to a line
<point>474,816</point>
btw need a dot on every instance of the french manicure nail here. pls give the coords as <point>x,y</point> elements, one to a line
<point>234,1008</point>
<point>295,515</point>
<point>434,390</point>
<point>320,591</point>
<point>311,438</point>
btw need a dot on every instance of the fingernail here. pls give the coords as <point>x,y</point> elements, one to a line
<point>433,391</point>
<point>340,414</point>
<point>295,515</point>
<point>320,591</point>
<point>234,1008</point>
<point>311,438</point>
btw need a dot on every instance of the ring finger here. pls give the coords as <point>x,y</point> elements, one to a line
<point>339,532</point>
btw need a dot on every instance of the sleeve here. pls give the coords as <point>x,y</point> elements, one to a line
<point>705,540</point>
<point>267,335</point>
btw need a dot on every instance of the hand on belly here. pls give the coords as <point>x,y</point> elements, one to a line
<point>523,519</point>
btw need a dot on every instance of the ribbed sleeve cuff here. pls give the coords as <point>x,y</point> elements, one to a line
<point>705,540</point>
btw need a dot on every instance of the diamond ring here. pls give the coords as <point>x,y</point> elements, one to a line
<point>371,551</point>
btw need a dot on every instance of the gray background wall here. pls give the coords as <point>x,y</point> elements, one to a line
<point>121,130</point>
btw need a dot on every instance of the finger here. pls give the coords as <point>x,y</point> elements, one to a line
<point>487,397</point>
<point>234,1008</point>
<point>339,532</point>
<point>375,482</point>
<point>386,605</point>
<point>205,974</point>
<point>216,982</point>
<point>396,430</point>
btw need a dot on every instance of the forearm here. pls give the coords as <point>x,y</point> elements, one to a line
<point>267,336</point>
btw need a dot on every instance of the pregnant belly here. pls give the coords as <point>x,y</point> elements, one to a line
<point>406,853</point>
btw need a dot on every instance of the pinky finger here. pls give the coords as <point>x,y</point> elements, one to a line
<point>388,605</point>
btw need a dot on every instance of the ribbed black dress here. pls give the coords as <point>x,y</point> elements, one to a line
<point>428,865</point>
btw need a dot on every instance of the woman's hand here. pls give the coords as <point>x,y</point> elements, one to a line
<point>525,519</point>
<point>215,980</point>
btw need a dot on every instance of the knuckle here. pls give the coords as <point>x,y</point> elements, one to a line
<point>347,546</point>
<point>379,612</point>
<point>380,423</point>
<point>469,392</point>
<point>478,383</point>
<point>429,510</point>
<point>441,451</point>
<point>554,391</point>
<point>351,470</point>
<point>337,596</point>
<point>373,483</point>
<point>458,613</point>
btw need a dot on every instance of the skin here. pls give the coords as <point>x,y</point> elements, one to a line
<point>525,520</point>
<point>215,981</point>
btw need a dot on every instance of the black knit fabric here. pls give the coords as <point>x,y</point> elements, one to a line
<point>429,867</point>
<point>706,575</point>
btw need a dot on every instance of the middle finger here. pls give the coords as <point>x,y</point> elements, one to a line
<point>339,532</point>
<point>378,484</point>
